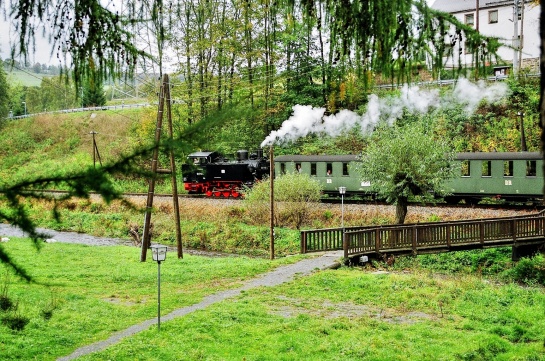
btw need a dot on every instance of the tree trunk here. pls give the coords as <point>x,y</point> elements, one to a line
<point>401,209</point>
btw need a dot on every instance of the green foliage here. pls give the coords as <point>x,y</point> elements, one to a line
<point>406,161</point>
<point>93,92</point>
<point>4,94</point>
<point>295,194</point>
<point>529,270</point>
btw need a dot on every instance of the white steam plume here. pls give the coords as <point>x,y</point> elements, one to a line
<point>307,120</point>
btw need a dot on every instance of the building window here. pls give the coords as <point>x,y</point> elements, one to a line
<point>282,168</point>
<point>345,168</point>
<point>470,19</point>
<point>531,168</point>
<point>298,167</point>
<point>493,16</point>
<point>312,168</point>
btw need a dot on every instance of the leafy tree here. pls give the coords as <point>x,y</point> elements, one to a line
<point>406,161</point>
<point>93,35</point>
<point>4,94</point>
<point>54,93</point>
<point>93,93</point>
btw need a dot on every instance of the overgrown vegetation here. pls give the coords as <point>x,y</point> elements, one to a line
<point>295,193</point>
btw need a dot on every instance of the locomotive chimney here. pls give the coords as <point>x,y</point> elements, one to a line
<point>242,155</point>
<point>259,153</point>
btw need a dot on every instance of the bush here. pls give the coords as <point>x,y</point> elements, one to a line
<point>294,194</point>
<point>529,270</point>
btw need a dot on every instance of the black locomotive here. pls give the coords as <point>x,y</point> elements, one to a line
<point>212,174</point>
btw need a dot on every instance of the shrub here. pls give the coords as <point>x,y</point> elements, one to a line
<point>294,194</point>
<point>529,270</point>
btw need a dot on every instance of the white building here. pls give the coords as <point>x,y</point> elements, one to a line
<point>514,22</point>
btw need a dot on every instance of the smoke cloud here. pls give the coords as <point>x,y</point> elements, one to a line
<point>306,119</point>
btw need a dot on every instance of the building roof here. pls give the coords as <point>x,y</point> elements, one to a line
<point>450,6</point>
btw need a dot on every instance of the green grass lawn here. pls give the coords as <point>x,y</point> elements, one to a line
<point>345,314</point>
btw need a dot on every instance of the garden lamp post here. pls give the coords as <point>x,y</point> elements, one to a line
<point>159,254</point>
<point>342,191</point>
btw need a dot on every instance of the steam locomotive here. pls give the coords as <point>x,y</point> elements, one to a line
<point>212,174</point>
<point>511,176</point>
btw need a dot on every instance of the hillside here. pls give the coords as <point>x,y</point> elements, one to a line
<point>24,77</point>
<point>61,142</point>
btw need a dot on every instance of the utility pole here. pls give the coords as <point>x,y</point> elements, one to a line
<point>516,40</point>
<point>164,93</point>
<point>95,150</point>
<point>271,176</point>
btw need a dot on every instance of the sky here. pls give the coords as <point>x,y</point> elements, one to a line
<point>43,48</point>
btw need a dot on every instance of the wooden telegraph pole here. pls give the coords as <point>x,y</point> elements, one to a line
<point>95,151</point>
<point>271,157</point>
<point>164,93</point>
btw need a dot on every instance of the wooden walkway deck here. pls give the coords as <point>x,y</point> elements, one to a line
<point>434,237</point>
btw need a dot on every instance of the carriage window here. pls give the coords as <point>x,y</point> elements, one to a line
<point>282,168</point>
<point>312,168</point>
<point>465,168</point>
<point>329,168</point>
<point>531,168</point>
<point>298,167</point>
<point>345,168</point>
<point>486,168</point>
<point>507,168</point>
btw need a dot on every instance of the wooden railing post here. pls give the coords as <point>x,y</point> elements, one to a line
<point>303,242</point>
<point>481,232</point>
<point>345,245</point>
<point>514,229</point>
<point>377,240</point>
<point>448,234</point>
<point>414,239</point>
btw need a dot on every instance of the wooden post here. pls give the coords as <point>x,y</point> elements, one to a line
<point>271,158</point>
<point>345,245</point>
<point>414,239</point>
<point>175,204</point>
<point>164,93</point>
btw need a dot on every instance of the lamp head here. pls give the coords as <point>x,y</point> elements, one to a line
<point>159,252</point>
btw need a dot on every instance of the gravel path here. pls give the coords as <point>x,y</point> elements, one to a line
<point>7,230</point>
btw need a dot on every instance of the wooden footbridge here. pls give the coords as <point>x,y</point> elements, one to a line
<point>525,234</point>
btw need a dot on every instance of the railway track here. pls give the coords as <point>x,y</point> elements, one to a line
<point>335,200</point>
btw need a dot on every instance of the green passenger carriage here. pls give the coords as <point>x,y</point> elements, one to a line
<point>333,171</point>
<point>513,176</point>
